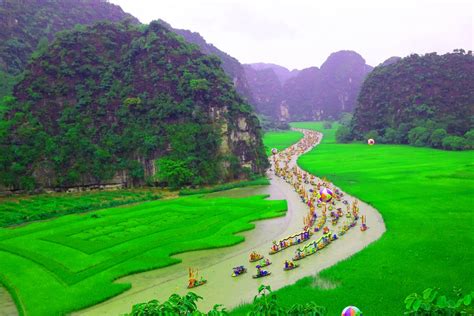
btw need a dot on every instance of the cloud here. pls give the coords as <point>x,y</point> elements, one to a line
<point>302,33</point>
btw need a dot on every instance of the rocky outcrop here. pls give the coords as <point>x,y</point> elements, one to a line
<point>104,104</point>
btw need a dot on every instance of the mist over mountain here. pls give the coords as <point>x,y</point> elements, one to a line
<point>281,72</point>
<point>311,93</point>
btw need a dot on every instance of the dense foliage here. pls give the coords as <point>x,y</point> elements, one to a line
<point>420,100</point>
<point>117,100</point>
<point>28,25</point>
<point>265,303</point>
<point>430,302</point>
<point>175,305</point>
<point>231,66</point>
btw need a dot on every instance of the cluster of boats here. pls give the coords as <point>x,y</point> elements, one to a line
<point>320,196</point>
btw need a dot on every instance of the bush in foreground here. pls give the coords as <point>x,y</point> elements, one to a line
<point>431,303</point>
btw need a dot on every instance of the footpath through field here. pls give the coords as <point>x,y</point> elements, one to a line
<point>216,265</point>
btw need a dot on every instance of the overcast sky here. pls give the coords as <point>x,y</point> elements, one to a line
<point>302,33</point>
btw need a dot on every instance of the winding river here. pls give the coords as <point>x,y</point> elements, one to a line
<point>216,265</point>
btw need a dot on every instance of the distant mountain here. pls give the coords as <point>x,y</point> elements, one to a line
<point>281,72</point>
<point>266,90</point>
<point>433,91</point>
<point>231,66</point>
<point>26,25</point>
<point>310,93</point>
<point>123,104</point>
<point>300,95</point>
<point>341,77</point>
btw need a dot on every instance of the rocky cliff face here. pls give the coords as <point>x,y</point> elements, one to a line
<point>116,103</point>
<point>266,90</point>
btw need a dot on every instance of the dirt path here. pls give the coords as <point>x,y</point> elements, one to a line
<point>216,265</point>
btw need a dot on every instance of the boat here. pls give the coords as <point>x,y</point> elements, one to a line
<point>291,268</point>
<point>198,283</point>
<point>242,271</point>
<point>261,276</point>
<point>256,258</point>
<point>265,264</point>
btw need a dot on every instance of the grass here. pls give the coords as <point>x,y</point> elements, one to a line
<point>65,264</point>
<point>426,199</point>
<point>280,140</point>
<point>226,186</point>
<point>27,208</point>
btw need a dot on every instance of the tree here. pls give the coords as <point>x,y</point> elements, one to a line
<point>454,143</point>
<point>418,136</point>
<point>391,136</point>
<point>373,134</point>
<point>174,172</point>
<point>343,134</point>
<point>346,119</point>
<point>469,136</point>
<point>436,138</point>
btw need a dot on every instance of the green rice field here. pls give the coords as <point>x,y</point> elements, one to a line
<point>16,210</point>
<point>426,199</point>
<point>71,262</point>
<point>280,140</point>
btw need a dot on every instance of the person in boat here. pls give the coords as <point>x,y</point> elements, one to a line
<point>261,272</point>
<point>239,270</point>
<point>254,255</point>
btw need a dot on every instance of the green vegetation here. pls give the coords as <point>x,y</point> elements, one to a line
<point>27,208</point>
<point>175,305</point>
<point>280,140</point>
<point>425,197</point>
<point>265,303</point>
<point>226,186</point>
<point>424,101</point>
<point>28,26</point>
<point>431,303</point>
<point>76,258</point>
<point>135,98</point>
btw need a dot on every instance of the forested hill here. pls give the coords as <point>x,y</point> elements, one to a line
<point>119,103</point>
<point>231,66</point>
<point>427,92</point>
<point>26,25</point>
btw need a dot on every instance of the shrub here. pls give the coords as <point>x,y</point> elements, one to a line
<point>418,136</point>
<point>174,172</point>
<point>327,125</point>
<point>175,305</point>
<point>469,136</point>
<point>343,134</point>
<point>436,138</point>
<point>372,134</point>
<point>431,303</point>
<point>266,303</point>
<point>454,143</point>
<point>391,136</point>
<point>402,133</point>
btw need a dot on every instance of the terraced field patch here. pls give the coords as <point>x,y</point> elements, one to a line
<point>74,259</point>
